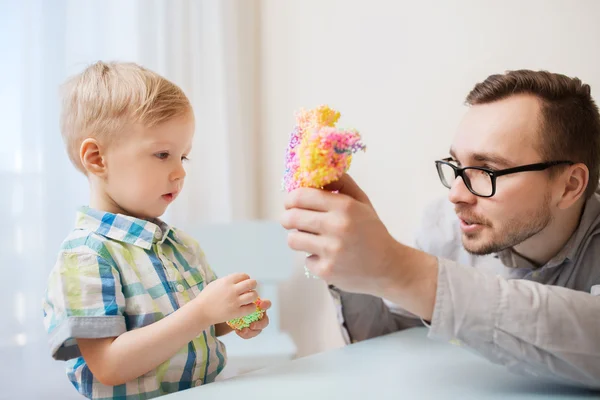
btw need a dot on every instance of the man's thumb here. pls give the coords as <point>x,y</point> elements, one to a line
<point>346,185</point>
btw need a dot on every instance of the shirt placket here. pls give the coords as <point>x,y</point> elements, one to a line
<point>177,288</point>
<point>175,284</point>
<point>172,272</point>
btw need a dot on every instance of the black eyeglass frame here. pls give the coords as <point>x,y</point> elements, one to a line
<point>460,172</point>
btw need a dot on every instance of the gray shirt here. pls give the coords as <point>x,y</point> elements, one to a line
<point>541,321</point>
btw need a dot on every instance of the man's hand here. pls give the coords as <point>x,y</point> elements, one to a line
<point>349,245</point>
<point>351,248</point>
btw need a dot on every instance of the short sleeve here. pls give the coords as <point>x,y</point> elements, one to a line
<point>84,299</point>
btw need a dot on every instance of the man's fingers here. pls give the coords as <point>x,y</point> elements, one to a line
<point>313,199</point>
<point>318,200</point>
<point>314,265</point>
<point>346,185</point>
<point>304,220</point>
<point>305,242</point>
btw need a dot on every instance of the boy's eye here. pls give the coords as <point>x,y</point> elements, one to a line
<point>184,158</point>
<point>162,156</point>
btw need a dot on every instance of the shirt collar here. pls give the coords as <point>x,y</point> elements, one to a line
<point>590,214</point>
<point>124,228</point>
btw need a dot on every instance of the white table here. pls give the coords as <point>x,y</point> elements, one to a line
<point>396,366</point>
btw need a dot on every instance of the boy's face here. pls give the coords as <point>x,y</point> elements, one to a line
<point>145,171</point>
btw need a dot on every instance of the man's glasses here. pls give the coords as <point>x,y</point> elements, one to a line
<point>482,181</point>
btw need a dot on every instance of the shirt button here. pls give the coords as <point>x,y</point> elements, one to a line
<point>180,288</point>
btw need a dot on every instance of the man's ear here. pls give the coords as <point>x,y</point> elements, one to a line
<point>576,180</point>
<point>92,158</point>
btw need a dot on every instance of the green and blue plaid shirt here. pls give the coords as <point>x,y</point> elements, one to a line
<point>117,273</point>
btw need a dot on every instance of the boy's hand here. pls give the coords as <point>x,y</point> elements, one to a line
<point>227,298</point>
<point>256,327</point>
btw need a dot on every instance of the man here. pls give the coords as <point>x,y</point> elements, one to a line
<point>523,287</point>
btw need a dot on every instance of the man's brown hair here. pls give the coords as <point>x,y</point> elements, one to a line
<point>570,126</point>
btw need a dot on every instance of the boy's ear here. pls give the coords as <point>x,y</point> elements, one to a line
<point>91,157</point>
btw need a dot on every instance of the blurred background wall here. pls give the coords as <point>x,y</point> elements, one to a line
<point>397,70</point>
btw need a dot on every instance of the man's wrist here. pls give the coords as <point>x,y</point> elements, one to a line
<point>410,280</point>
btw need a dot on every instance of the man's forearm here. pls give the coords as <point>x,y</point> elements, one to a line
<point>533,328</point>
<point>411,281</point>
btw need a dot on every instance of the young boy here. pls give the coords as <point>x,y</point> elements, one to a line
<point>132,303</point>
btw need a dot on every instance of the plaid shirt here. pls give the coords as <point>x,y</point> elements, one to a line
<point>117,273</point>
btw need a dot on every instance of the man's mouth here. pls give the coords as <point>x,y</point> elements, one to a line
<point>469,223</point>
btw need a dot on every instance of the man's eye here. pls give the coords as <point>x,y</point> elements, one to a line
<point>184,158</point>
<point>162,156</point>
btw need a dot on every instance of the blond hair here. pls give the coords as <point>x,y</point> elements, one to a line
<point>106,98</point>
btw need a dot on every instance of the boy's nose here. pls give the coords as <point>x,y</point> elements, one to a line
<point>178,173</point>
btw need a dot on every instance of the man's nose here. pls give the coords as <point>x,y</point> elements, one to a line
<point>459,193</point>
